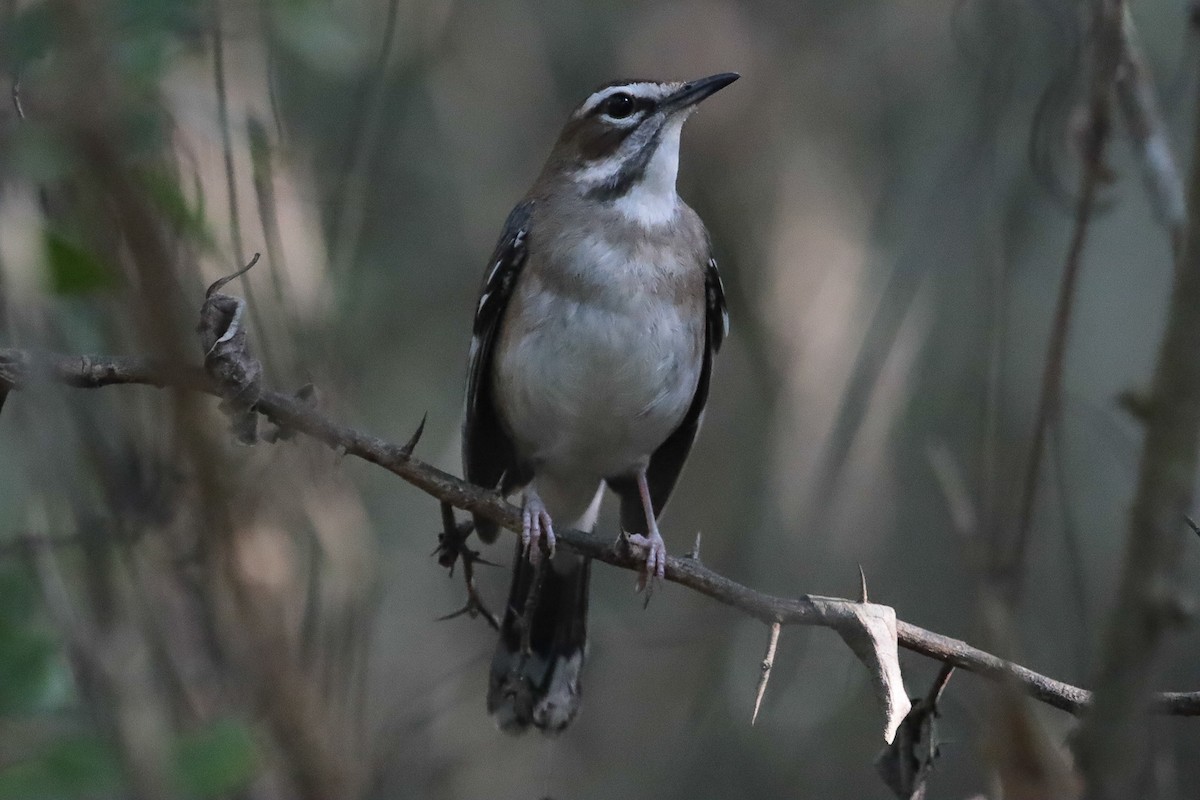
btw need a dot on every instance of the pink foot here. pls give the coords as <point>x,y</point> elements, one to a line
<point>656,549</point>
<point>656,556</point>
<point>536,523</point>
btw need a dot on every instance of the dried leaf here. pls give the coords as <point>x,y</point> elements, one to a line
<point>906,763</point>
<point>871,633</point>
<point>227,356</point>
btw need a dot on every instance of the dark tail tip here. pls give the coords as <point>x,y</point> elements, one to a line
<point>527,692</point>
<point>535,680</point>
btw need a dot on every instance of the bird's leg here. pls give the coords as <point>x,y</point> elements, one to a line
<point>535,523</point>
<point>656,549</point>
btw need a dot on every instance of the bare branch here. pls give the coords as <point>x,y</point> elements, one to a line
<point>1094,133</point>
<point>19,369</point>
<point>1139,107</point>
<point>1149,602</point>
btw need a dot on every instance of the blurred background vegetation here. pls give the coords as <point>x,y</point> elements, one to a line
<point>889,190</point>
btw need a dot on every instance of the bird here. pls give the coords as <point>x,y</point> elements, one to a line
<point>600,313</point>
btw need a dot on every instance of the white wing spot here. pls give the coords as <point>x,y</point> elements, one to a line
<point>492,274</point>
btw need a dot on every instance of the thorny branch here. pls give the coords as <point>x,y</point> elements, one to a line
<point>19,369</point>
<point>452,547</point>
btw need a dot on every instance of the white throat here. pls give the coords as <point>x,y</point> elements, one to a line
<point>652,201</point>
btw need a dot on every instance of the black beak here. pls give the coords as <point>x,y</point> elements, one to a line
<point>693,92</point>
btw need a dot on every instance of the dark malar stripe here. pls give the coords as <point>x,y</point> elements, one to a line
<point>630,173</point>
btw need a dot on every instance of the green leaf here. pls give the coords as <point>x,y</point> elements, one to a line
<point>216,760</point>
<point>80,767</point>
<point>74,270</point>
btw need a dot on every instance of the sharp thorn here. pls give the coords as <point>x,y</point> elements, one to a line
<point>695,554</point>
<point>862,577</point>
<point>939,686</point>
<point>767,662</point>
<point>453,614</point>
<point>411,444</point>
<point>490,617</point>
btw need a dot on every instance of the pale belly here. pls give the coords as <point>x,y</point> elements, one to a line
<point>590,392</point>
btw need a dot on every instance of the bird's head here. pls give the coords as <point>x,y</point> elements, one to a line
<point>624,138</point>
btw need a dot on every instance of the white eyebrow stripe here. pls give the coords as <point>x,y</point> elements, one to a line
<point>642,89</point>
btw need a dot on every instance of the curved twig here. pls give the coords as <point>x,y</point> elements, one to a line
<point>19,369</point>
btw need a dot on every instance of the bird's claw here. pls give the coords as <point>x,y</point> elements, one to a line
<point>536,525</point>
<point>656,557</point>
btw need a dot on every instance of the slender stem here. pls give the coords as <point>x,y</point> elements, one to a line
<point>1010,569</point>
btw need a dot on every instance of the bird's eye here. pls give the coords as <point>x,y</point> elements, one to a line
<point>619,106</point>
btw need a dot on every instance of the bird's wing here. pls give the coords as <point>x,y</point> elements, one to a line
<point>667,461</point>
<point>489,457</point>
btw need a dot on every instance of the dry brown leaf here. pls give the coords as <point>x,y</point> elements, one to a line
<point>906,763</point>
<point>870,630</point>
